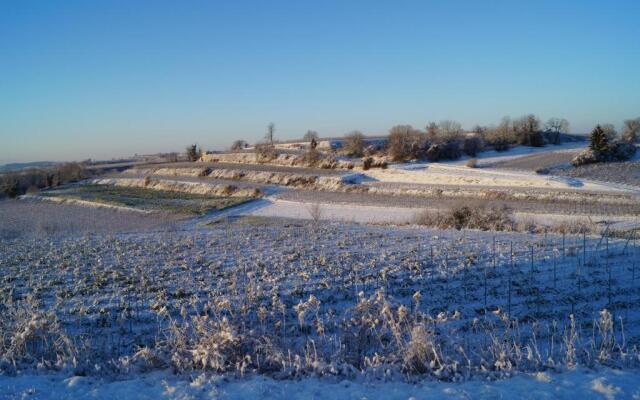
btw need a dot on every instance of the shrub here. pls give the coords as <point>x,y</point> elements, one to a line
<point>472,145</point>
<point>354,144</point>
<point>433,153</point>
<point>444,151</point>
<point>10,184</point>
<point>602,149</point>
<point>622,150</point>
<point>366,163</point>
<point>472,163</point>
<point>586,156</point>
<point>465,216</point>
<point>405,142</point>
<point>450,150</point>
<point>311,157</point>
<point>542,171</point>
<point>501,136</point>
<point>265,152</point>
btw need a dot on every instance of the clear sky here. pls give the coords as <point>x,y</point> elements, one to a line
<point>102,79</point>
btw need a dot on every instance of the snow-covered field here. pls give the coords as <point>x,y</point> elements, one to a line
<point>290,296</point>
<point>375,312</point>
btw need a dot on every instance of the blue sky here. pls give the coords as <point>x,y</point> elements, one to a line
<point>103,79</point>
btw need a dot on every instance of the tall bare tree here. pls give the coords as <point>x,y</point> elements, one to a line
<point>310,135</point>
<point>271,130</point>
<point>556,126</point>
<point>193,152</point>
<point>450,130</point>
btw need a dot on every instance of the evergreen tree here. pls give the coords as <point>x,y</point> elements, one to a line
<point>598,140</point>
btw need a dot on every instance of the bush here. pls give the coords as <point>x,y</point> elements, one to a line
<point>472,145</point>
<point>586,156</point>
<point>622,150</point>
<point>472,163</point>
<point>10,184</point>
<point>542,171</point>
<point>500,137</point>
<point>366,163</point>
<point>265,152</point>
<point>469,217</point>
<point>311,157</point>
<point>405,143</point>
<point>601,149</point>
<point>433,153</point>
<point>354,144</point>
<point>451,150</point>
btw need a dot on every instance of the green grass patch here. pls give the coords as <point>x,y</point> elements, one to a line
<point>147,199</point>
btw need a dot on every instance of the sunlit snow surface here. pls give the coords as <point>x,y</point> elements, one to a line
<point>577,384</point>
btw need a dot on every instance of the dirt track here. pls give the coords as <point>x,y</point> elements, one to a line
<point>535,161</point>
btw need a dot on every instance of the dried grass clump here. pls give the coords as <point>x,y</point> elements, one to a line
<point>482,217</point>
<point>420,355</point>
<point>29,336</point>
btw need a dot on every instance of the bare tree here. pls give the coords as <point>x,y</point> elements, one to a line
<point>450,130</point>
<point>501,136</point>
<point>271,130</point>
<point>610,132</point>
<point>354,143</point>
<point>315,212</point>
<point>310,135</point>
<point>193,152</point>
<point>631,130</point>
<point>405,142</point>
<point>527,130</point>
<point>556,126</point>
<point>239,145</point>
<point>432,130</point>
<point>479,129</point>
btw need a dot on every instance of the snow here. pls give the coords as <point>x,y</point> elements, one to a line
<point>448,174</point>
<point>363,214</point>
<point>492,156</point>
<point>334,212</point>
<point>578,383</point>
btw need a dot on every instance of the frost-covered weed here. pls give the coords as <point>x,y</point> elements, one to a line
<point>290,298</point>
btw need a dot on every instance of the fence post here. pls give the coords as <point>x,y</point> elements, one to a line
<point>510,275</point>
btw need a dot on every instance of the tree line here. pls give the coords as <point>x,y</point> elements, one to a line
<point>17,183</point>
